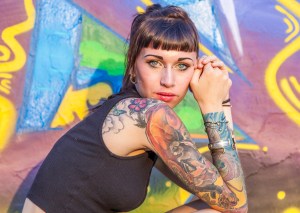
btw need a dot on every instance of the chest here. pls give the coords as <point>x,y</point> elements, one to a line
<point>122,183</point>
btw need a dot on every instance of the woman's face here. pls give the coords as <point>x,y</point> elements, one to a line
<point>163,74</point>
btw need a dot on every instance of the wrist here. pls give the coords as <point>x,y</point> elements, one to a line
<point>208,108</point>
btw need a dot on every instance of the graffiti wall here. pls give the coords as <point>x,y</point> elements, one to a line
<point>58,58</point>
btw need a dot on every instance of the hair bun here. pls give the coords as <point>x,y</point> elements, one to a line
<point>172,12</point>
<point>153,7</point>
<point>175,12</point>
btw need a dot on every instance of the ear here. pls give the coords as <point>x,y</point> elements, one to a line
<point>132,71</point>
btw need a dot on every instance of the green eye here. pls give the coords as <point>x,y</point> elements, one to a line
<point>181,67</point>
<point>155,64</point>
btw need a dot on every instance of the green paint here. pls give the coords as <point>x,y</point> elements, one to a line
<point>162,200</point>
<point>101,49</point>
<point>189,112</point>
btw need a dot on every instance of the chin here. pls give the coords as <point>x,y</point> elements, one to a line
<point>172,105</point>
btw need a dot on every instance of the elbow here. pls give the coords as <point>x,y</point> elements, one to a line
<point>244,210</point>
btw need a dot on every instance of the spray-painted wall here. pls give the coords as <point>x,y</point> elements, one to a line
<point>59,57</point>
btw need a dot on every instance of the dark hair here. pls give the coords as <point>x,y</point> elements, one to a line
<point>168,28</point>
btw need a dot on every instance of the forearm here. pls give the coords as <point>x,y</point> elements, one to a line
<point>219,129</point>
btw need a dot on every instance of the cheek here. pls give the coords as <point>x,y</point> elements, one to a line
<point>147,77</point>
<point>145,83</point>
<point>186,79</point>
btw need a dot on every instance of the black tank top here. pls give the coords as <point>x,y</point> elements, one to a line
<point>81,175</point>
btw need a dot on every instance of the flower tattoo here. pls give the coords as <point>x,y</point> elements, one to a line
<point>137,105</point>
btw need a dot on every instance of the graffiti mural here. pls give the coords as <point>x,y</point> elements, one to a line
<point>58,58</point>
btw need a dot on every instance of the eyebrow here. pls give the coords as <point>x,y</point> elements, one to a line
<point>156,56</point>
<point>160,57</point>
<point>181,59</point>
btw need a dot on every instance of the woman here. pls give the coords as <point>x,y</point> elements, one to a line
<point>103,164</point>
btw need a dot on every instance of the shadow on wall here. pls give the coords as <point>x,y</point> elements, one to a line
<point>18,200</point>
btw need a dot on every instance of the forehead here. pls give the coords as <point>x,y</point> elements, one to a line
<point>167,54</point>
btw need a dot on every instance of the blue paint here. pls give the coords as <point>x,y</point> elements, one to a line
<point>57,34</point>
<point>203,14</point>
<point>87,77</point>
<point>247,139</point>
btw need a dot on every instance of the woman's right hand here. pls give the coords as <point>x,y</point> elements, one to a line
<point>210,85</point>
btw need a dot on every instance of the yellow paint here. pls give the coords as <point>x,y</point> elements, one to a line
<point>293,20</point>
<point>204,136</point>
<point>8,118</point>
<point>295,83</point>
<point>292,5</point>
<point>5,86</point>
<point>151,200</point>
<point>183,195</point>
<point>75,102</point>
<point>265,149</point>
<point>8,37</point>
<point>289,25</point>
<point>148,189</point>
<point>245,146</point>
<point>240,146</point>
<point>147,2</point>
<point>206,51</point>
<point>140,9</point>
<point>6,75</point>
<point>280,195</point>
<point>271,80</point>
<point>5,53</point>
<point>8,114</point>
<point>289,92</point>
<point>168,184</point>
<point>292,210</point>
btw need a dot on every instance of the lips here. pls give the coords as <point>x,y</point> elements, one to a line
<point>165,96</point>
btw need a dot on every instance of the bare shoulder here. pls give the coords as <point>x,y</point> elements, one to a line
<point>123,130</point>
<point>129,110</point>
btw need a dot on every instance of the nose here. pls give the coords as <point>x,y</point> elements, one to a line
<point>168,77</point>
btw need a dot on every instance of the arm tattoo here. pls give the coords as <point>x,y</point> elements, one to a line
<point>227,162</point>
<point>132,108</point>
<point>172,142</point>
<point>217,128</point>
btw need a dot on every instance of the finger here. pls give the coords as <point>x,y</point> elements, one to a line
<point>196,76</point>
<point>207,68</point>
<point>209,59</point>
<point>219,64</point>
<point>200,64</point>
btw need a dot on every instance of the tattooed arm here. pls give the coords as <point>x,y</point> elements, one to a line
<point>221,186</point>
<point>156,124</point>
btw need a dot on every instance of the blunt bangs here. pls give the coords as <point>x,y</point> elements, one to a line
<point>170,34</point>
